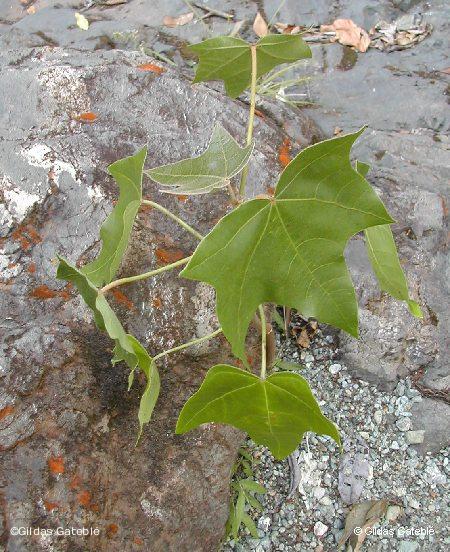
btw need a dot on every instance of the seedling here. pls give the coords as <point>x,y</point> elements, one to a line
<point>284,249</point>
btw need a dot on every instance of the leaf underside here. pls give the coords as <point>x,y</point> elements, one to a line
<point>275,412</point>
<point>115,231</point>
<point>383,256</point>
<point>289,249</point>
<point>214,168</point>
<point>127,347</point>
<point>229,59</point>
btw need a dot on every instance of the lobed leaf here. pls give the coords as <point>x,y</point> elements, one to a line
<point>289,249</point>
<point>213,169</point>
<point>115,231</point>
<point>127,347</point>
<point>383,256</point>
<point>275,412</point>
<point>229,59</point>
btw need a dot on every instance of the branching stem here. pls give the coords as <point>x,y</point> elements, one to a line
<point>188,344</point>
<point>263,341</point>
<point>251,117</point>
<point>168,213</point>
<point>145,275</point>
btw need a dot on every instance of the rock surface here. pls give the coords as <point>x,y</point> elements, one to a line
<point>67,423</point>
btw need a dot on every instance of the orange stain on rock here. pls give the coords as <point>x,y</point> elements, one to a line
<point>157,303</point>
<point>32,268</point>
<point>284,156</point>
<point>182,197</point>
<point>27,236</point>
<point>84,498</point>
<point>50,506</point>
<point>87,117</point>
<point>138,541</point>
<point>151,67</point>
<point>44,292</point>
<point>56,464</point>
<point>111,529</point>
<point>169,255</point>
<point>122,299</point>
<point>6,411</point>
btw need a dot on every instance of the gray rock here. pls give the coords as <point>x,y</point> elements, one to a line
<point>415,437</point>
<point>57,380</point>
<point>433,418</point>
<point>403,424</point>
<point>353,473</point>
<point>408,546</point>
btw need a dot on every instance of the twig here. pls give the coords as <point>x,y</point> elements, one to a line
<point>213,11</point>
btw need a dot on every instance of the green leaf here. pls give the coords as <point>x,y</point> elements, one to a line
<point>127,347</point>
<point>242,452</point>
<point>222,160</point>
<point>115,231</point>
<point>238,513</point>
<point>253,502</point>
<point>275,412</point>
<point>251,485</point>
<point>279,320</point>
<point>284,365</point>
<point>229,59</point>
<point>229,523</point>
<point>250,524</point>
<point>384,259</point>
<point>288,249</point>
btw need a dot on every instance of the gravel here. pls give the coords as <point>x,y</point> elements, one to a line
<point>378,444</point>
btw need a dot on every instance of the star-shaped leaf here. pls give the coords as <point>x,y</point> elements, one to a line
<point>275,412</point>
<point>384,259</point>
<point>115,231</point>
<point>229,59</point>
<point>127,347</point>
<point>289,249</point>
<point>222,159</point>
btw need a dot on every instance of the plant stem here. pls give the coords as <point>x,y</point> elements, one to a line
<point>251,117</point>
<point>143,276</point>
<point>263,341</point>
<point>188,344</point>
<point>168,213</point>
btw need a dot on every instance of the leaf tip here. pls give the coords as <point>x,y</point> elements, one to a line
<point>414,309</point>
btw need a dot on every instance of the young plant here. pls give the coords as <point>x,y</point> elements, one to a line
<point>284,249</point>
<point>243,490</point>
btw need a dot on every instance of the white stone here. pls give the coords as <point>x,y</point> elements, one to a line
<point>378,416</point>
<point>415,437</point>
<point>403,424</point>
<point>393,512</point>
<point>320,529</point>
<point>335,368</point>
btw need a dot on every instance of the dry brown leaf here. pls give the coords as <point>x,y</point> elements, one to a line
<point>303,339</point>
<point>178,21</point>
<point>260,26</point>
<point>287,29</point>
<point>348,34</point>
<point>362,516</point>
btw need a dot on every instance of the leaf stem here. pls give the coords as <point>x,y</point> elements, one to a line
<point>251,117</point>
<point>263,341</point>
<point>143,276</point>
<point>168,213</point>
<point>188,344</point>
